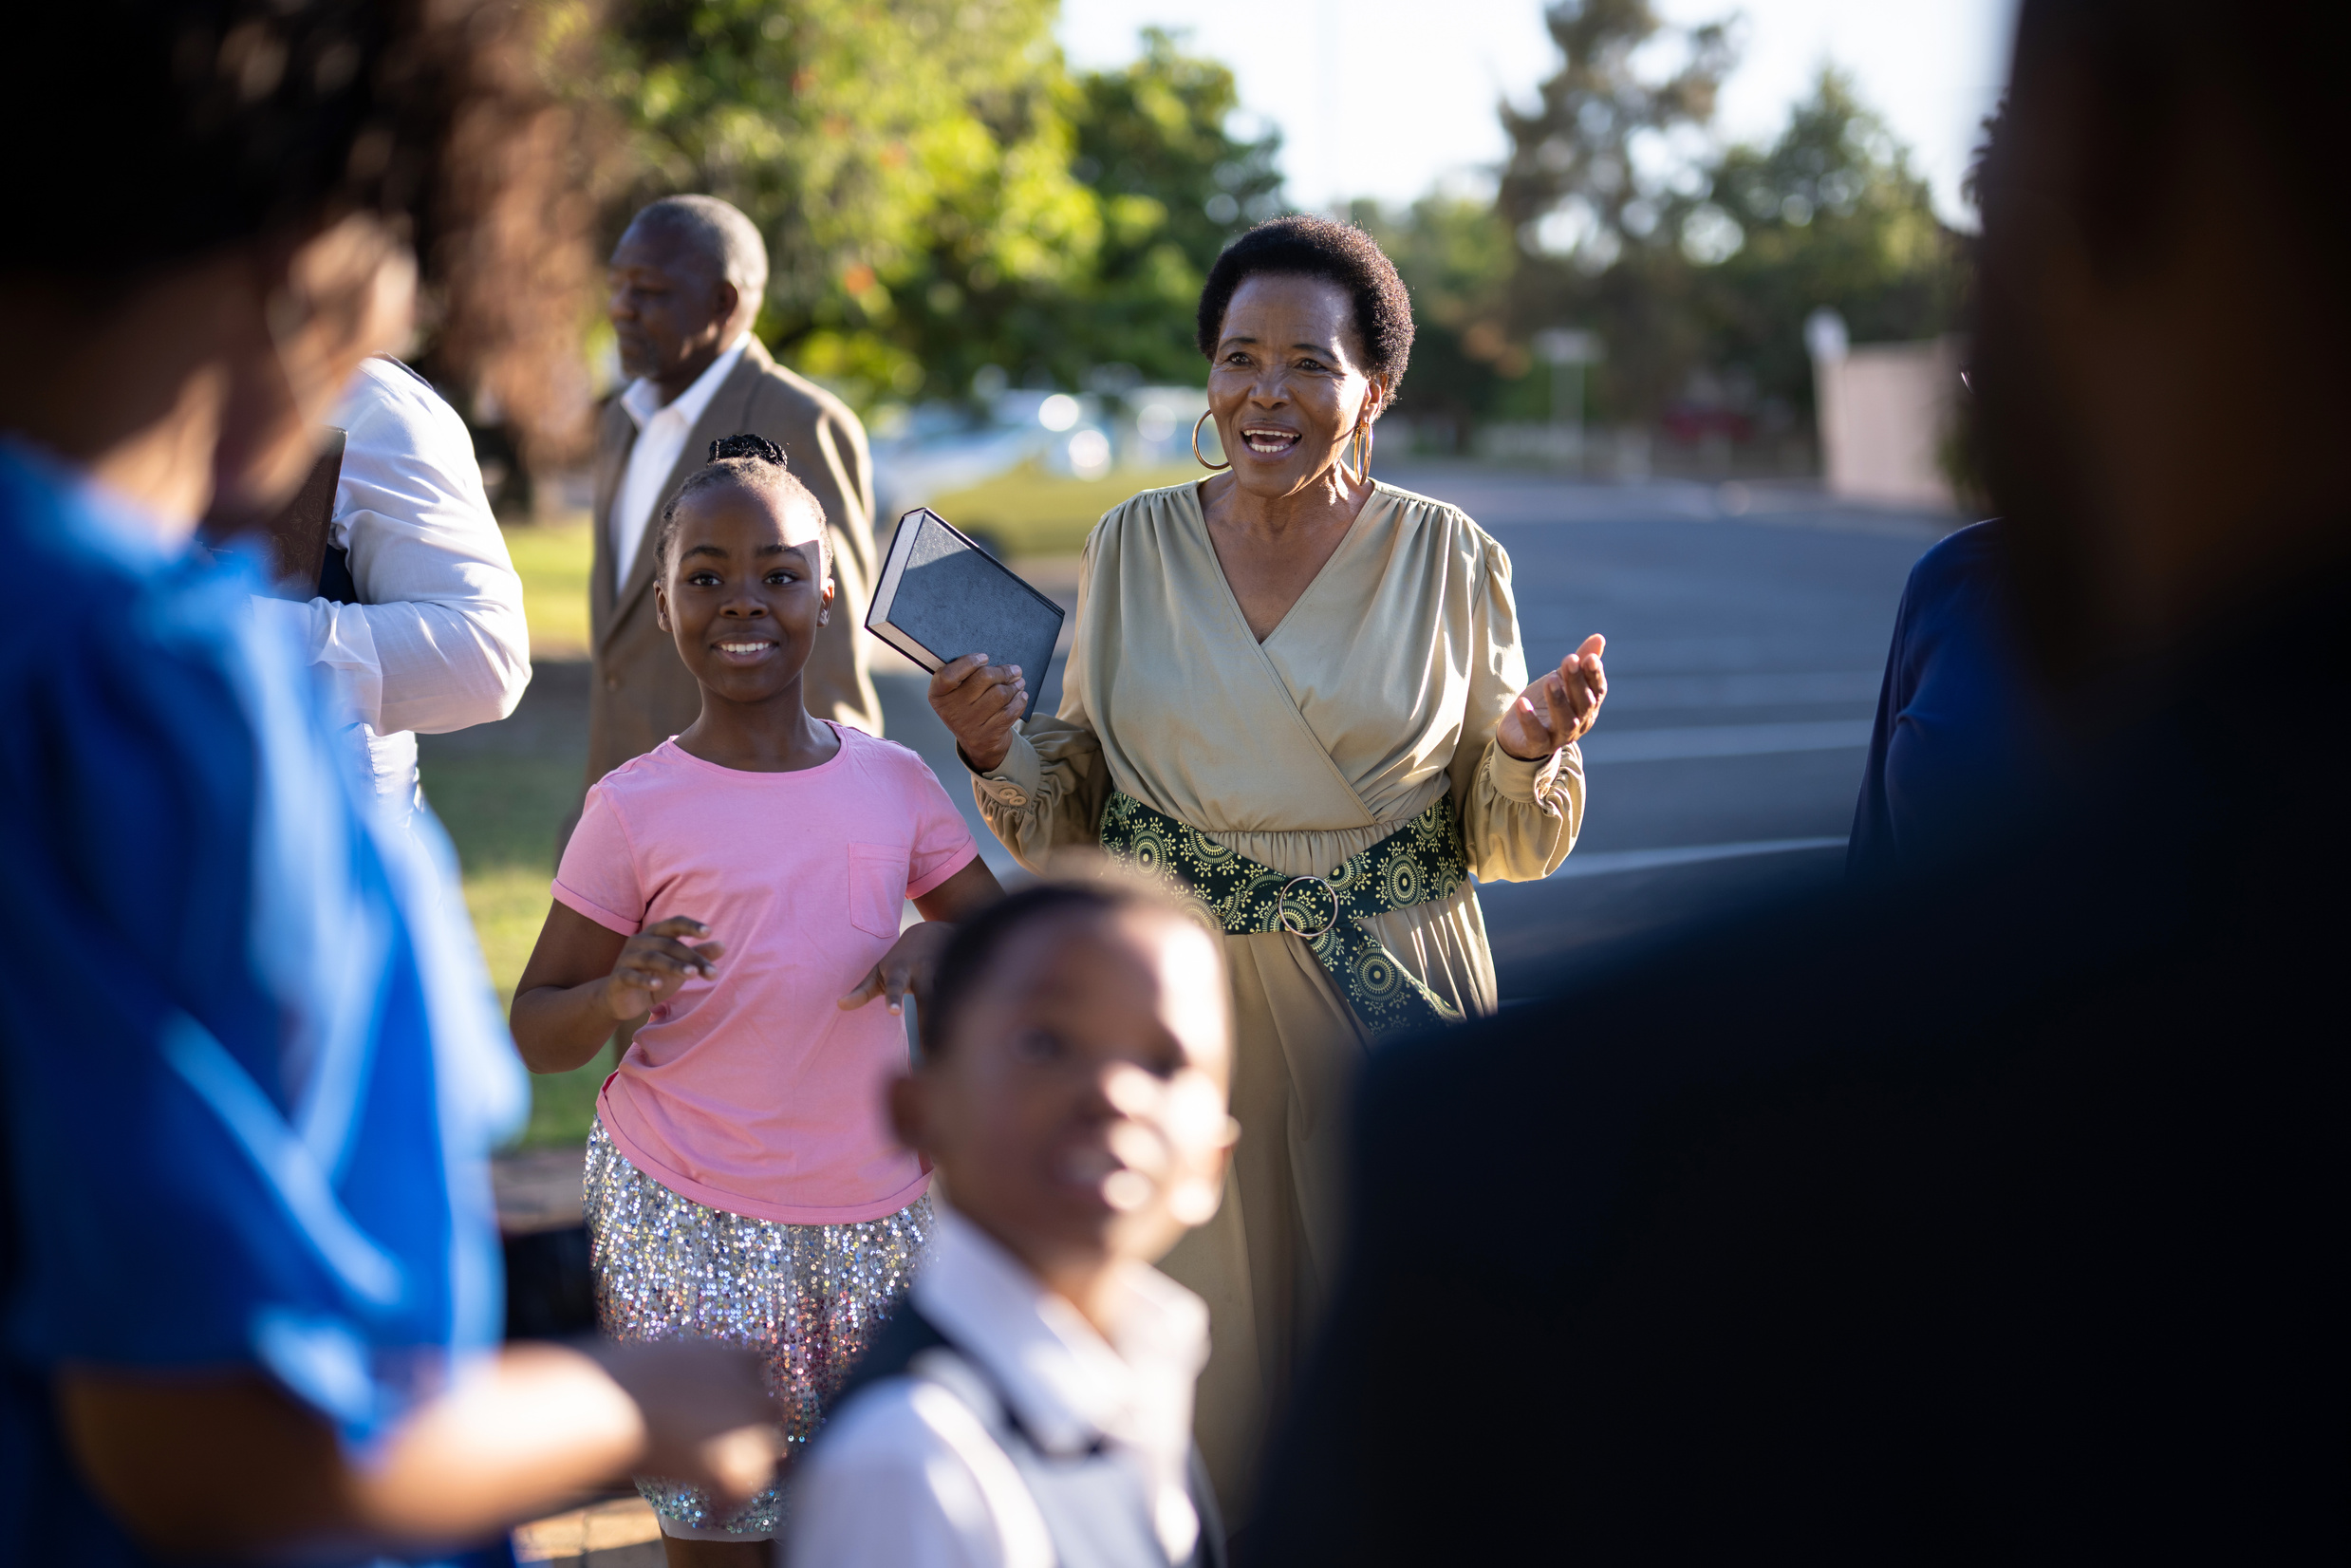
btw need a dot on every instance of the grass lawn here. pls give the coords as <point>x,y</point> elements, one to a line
<point>503,813</point>
<point>503,801</point>
<point>552,558</point>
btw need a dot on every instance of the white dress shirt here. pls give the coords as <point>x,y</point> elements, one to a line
<point>440,643</point>
<point>662,430</point>
<point>908,1477</point>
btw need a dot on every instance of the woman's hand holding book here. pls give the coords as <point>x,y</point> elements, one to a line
<point>979,702</point>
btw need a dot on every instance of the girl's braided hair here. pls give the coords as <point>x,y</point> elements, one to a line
<point>753,462</point>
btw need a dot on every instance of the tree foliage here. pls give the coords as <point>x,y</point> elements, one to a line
<point>941,193</point>
<point>1583,176</point>
<point>1829,215</point>
<point>1176,186</point>
<point>937,190</point>
<point>506,244</point>
<point>1696,265</point>
<point>1456,255</point>
<point>1591,189</point>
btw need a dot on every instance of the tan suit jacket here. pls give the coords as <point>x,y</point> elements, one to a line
<point>642,692</point>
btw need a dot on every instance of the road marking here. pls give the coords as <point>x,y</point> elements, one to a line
<point>1610,862</point>
<point>1687,743</point>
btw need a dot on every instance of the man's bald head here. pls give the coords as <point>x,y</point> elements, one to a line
<point>688,279</point>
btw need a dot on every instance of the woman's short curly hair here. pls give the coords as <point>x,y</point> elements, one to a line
<point>1305,245</point>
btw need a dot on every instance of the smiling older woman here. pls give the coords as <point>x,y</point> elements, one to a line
<point>1297,694</point>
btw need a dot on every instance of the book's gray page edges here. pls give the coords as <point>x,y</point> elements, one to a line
<point>955,600</point>
<point>894,564</point>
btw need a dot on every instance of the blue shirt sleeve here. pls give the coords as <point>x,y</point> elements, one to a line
<point>1869,853</point>
<point>252,1067</point>
<point>1962,742</point>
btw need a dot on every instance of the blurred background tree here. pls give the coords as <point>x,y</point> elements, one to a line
<point>909,165</point>
<point>1589,192</point>
<point>1695,265</point>
<point>1456,254</point>
<point>507,246</point>
<point>942,195</point>
<point>1830,214</point>
<point>938,193</point>
<point>1176,184</point>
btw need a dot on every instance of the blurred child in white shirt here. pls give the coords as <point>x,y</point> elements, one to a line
<point>1034,1406</point>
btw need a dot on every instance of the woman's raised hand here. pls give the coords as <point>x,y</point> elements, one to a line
<point>979,702</point>
<point>655,962</point>
<point>1558,708</point>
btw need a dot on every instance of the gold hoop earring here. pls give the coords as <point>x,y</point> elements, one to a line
<point>1213,468</point>
<point>1361,441</point>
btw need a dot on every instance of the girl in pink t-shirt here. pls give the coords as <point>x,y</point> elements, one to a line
<point>737,888</point>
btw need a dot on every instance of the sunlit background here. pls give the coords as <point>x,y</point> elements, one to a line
<point>1691,284</point>
<point>1676,268</point>
<point>1369,94</point>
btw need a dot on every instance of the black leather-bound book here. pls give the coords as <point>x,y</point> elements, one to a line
<point>942,596</point>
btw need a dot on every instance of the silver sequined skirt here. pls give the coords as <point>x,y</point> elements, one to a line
<point>809,1298</point>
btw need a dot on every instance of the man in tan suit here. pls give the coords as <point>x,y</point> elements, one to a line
<point>688,279</point>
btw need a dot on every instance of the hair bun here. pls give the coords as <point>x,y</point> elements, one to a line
<point>746,445</point>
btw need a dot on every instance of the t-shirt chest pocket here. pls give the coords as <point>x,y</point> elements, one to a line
<point>877,888</point>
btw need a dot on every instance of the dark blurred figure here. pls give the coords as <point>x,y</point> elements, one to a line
<point>1998,1216</point>
<point>250,1073</point>
<point>1964,740</point>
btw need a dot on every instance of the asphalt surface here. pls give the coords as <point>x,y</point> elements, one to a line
<point>1747,629</point>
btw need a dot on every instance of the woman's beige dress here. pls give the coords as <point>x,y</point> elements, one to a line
<point>1379,689</point>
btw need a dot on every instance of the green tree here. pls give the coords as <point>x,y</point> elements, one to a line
<point>1594,175</point>
<point>1581,177</point>
<point>1831,215</point>
<point>938,193</point>
<point>909,165</point>
<point>1456,255</point>
<point>1706,263</point>
<point>1176,185</point>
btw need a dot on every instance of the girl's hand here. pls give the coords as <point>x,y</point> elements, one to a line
<point>906,967</point>
<point>1558,708</point>
<point>981,703</point>
<point>654,963</point>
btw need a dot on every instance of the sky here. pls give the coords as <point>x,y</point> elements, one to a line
<point>1390,98</point>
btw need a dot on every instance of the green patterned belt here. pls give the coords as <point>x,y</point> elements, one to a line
<point>1420,860</point>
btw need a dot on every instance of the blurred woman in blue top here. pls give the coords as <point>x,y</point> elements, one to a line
<point>1962,746</point>
<point>250,1068</point>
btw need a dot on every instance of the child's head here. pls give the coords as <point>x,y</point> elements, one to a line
<point>1077,1046</point>
<point>741,578</point>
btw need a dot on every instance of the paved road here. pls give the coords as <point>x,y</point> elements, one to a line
<point>1746,633</point>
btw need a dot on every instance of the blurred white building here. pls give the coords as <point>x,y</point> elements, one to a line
<point>1885,411</point>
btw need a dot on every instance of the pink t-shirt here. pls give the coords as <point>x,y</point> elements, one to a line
<point>752,1091</point>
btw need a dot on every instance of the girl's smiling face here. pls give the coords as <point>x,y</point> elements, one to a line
<point>743,589</point>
